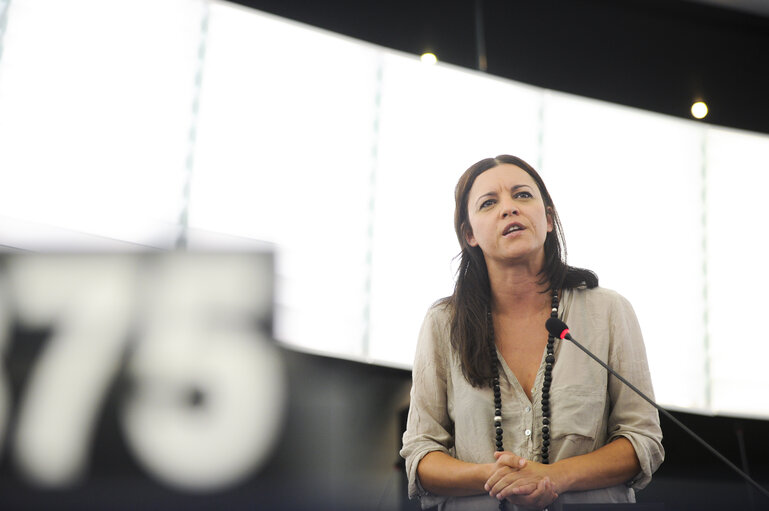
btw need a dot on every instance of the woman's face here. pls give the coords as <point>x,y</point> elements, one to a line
<point>507,217</point>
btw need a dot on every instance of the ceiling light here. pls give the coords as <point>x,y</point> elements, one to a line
<point>429,58</point>
<point>699,110</point>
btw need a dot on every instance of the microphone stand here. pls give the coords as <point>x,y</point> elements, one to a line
<point>667,414</point>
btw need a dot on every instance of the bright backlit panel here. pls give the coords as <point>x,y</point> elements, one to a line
<point>627,185</point>
<point>96,100</point>
<point>284,155</point>
<point>737,180</point>
<point>343,157</point>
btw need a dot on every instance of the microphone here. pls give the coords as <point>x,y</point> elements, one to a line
<point>558,328</point>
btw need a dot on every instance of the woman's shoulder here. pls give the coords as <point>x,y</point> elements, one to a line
<point>434,336</point>
<point>440,311</point>
<point>599,296</point>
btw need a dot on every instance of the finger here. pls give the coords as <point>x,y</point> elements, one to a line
<point>500,484</point>
<point>545,493</point>
<point>515,484</point>
<point>503,482</point>
<point>511,460</point>
<point>529,493</point>
<point>498,474</point>
<point>521,488</point>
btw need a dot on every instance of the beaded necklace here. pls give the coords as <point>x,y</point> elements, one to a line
<point>549,361</point>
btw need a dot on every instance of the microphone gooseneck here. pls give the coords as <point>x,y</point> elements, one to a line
<point>558,328</point>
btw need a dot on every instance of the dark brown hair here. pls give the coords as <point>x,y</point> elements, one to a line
<point>470,303</point>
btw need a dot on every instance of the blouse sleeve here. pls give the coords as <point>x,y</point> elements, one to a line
<point>429,427</point>
<point>631,416</point>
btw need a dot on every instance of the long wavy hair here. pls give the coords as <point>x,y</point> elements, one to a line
<point>470,302</point>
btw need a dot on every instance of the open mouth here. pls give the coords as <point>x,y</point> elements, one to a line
<point>512,228</point>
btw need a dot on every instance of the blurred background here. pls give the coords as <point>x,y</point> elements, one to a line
<point>286,170</point>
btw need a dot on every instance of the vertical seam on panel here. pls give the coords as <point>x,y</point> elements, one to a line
<point>184,210</point>
<point>366,338</point>
<point>705,270</point>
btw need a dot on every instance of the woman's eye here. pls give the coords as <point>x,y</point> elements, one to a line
<point>487,203</point>
<point>523,195</point>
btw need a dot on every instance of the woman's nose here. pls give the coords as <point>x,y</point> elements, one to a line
<point>509,209</point>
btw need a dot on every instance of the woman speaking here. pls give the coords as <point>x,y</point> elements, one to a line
<point>502,414</point>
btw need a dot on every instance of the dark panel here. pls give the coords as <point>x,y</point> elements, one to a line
<point>659,55</point>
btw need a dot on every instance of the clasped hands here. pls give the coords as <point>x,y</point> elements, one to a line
<point>523,482</point>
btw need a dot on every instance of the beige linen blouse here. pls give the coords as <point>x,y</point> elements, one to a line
<point>589,408</point>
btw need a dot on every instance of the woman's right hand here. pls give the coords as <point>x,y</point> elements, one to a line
<point>520,481</point>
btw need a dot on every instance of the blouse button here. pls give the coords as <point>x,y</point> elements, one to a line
<point>528,409</point>
<point>528,432</point>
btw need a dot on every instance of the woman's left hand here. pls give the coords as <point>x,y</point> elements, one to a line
<point>523,482</point>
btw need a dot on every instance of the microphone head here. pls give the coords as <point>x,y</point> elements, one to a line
<point>556,327</point>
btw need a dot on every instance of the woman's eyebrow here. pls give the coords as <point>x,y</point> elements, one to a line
<point>487,194</point>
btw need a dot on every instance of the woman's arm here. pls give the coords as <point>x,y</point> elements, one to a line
<point>614,463</point>
<point>610,465</point>
<point>442,474</point>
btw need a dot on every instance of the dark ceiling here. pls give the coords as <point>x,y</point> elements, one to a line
<point>658,55</point>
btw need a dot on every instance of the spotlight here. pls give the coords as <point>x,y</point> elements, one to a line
<point>429,58</point>
<point>699,110</point>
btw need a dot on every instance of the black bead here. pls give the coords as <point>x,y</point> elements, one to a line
<point>550,359</point>
<point>546,443</point>
<point>545,409</point>
<point>499,446</point>
<point>498,412</point>
<point>545,401</point>
<point>499,432</point>
<point>546,421</point>
<point>545,436</point>
<point>545,429</point>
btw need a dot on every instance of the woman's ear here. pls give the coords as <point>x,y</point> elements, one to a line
<point>550,221</point>
<point>469,238</point>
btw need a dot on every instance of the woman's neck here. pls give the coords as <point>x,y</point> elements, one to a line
<point>517,290</point>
